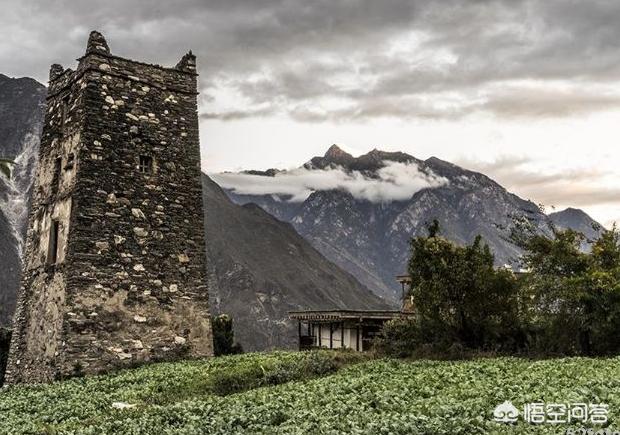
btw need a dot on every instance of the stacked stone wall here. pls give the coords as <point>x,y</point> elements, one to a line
<point>129,284</point>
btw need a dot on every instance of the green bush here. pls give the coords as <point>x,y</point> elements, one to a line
<point>236,379</point>
<point>319,363</point>
<point>306,365</point>
<point>281,373</point>
<point>460,299</point>
<point>399,338</point>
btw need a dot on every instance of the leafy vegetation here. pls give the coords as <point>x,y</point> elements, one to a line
<point>373,397</point>
<point>574,297</point>
<point>459,296</point>
<point>567,304</point>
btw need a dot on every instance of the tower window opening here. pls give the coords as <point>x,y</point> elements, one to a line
<point>52,250</point>
<point>57,173</point>
<point>64,110</point>
<point>70,159</point>
<point>145,164</point>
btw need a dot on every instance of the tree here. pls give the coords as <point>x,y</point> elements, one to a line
<point>574,296</point>
<point>224,336</point>
<point>458,294</point>
<point>568,303</point>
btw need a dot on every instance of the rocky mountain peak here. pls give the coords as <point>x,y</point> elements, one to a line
<point>578,220</point>
<point>375,159</point>
<point>369,162</point>
<point>336,153</point>
<point>334,157</point>
<point>570,211</point>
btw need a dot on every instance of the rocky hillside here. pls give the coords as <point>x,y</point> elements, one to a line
<point>370,237</point>
<point>261,268</point>
<point>577,220</point>
<point>21,117</point>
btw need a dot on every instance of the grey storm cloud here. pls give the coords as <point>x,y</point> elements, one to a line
<point>346,60</point>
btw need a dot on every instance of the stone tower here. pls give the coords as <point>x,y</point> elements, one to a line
<point>114,267</point>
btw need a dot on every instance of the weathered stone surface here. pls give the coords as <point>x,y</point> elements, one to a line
<point>140,232</point>
<point>102,246</point>
<point>104,299</point>
<point>137,213</point>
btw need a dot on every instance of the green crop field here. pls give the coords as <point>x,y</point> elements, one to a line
<point>369,397</point>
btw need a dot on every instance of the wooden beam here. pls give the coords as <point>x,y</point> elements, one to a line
<point>357,339</point>
<point>342,335</point>
<point>331,335</point>
<point>320,335</point>
<point>299,331</point>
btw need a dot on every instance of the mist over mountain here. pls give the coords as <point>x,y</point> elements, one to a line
<point>374,181</point>
<point>369,235</point>
<point>22,103</point>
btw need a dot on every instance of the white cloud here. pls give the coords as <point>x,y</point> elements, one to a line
<point>393,182</point>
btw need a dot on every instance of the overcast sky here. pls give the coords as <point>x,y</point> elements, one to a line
<point>525,91</point>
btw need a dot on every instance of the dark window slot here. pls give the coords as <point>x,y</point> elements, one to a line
<point>57,174</point>
<point>145,164</point>
<point>70,160</point>
<point>64,110</point>
<point>52,251</point>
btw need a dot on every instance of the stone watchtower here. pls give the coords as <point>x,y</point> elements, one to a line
<point>114,267</point>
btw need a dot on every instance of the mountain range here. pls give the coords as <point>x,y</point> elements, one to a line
<point>335,245</point>
<point>368,235</point>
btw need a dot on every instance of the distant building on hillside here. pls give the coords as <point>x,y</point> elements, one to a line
<point>347,329</point>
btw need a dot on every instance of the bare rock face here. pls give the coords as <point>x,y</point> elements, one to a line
<point>21,117</point>
<point>578,220</point>
<point>261,268</point>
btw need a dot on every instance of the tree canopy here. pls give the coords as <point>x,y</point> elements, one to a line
<point>567,304</point>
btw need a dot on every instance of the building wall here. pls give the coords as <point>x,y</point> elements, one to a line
<point>350,336</point>
<point>129,283</point>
